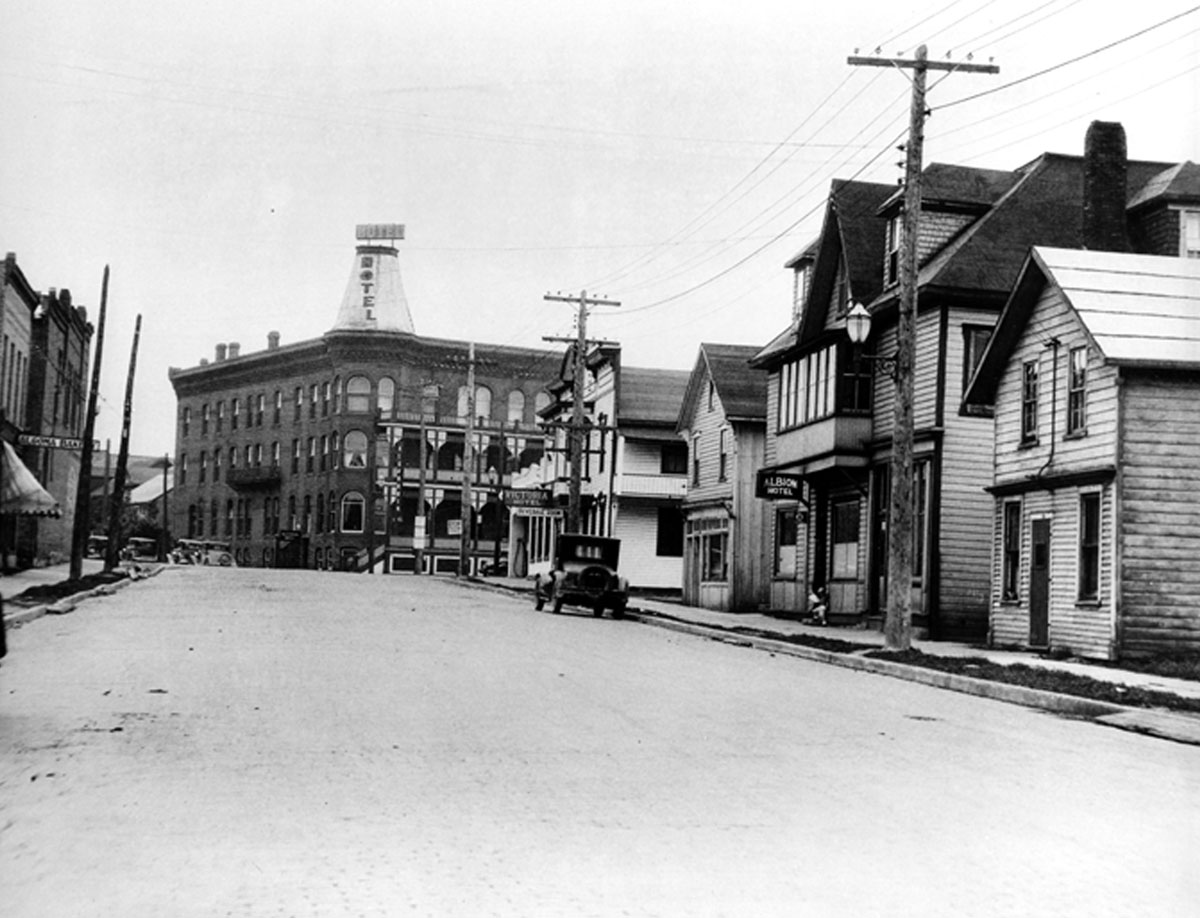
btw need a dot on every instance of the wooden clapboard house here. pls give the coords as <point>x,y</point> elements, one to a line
<point>723,423</point>
<point>830,410</point>
<point>1094,375</point>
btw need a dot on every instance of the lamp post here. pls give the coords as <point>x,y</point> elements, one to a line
<point>898,620</point>
<point>165,464</point>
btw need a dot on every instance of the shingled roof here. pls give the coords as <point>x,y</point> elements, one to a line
<point>741,387</point>
<point>1043,205</point>
<point>854,231</point>
<point>650,397</point>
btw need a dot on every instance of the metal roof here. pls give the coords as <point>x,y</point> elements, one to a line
<point>1139,309</point>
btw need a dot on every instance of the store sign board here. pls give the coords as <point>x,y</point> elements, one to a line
<point>525,497</point>
<point>49,442</point>
<point>379,231</point>
<point>777,486</point>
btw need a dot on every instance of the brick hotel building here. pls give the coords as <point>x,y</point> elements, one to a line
<point>310,454</point>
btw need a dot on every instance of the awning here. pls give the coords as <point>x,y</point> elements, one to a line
<point>22,493</point>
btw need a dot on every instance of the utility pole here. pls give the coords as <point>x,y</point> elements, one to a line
<point>420,523</point>
<point>898,622</point>
<point>117,504</point>
<point>575,432</point>
<point>83,490</point>
<point>464,545</point>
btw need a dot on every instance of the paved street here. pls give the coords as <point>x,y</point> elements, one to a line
<point>254,742</point>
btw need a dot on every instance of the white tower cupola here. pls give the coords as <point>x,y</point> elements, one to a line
<point>374,298</point>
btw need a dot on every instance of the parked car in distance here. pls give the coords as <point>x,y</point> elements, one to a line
<point>585,574</point>
<point>140,549</point>
<point>202,551</point>
<point>97,546</point>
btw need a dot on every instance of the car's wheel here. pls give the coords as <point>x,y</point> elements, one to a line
<point>619,611</point>
<point>225,560</point>
<point>598,609</point>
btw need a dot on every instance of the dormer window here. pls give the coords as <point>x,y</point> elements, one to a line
<point>800,280</point>
<point>895,232</point>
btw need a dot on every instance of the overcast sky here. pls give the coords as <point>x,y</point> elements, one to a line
<point>670,155</point>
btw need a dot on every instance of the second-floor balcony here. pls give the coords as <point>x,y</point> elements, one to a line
<point>251,479</point>
<point>648,485</point>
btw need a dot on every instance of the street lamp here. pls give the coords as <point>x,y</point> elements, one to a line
<point>858,329</point>
<point>858,324</point>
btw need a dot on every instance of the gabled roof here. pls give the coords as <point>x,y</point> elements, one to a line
<point>1138,310</point>
<point>853,231</point>
<point>741,388</point>
<point>650,397</point>
<point>1043,205</point>
<point>1179,183</point>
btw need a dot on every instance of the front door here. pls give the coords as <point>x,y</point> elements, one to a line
<point>1039,585</point>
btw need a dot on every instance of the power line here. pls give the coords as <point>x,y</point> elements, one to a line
<point>1067,63</point>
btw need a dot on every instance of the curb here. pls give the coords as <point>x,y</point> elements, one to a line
<point>26,614</point>
<point>1181,728</point>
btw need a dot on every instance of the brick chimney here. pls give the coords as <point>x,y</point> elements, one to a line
<point>272,340</point>
<point>1104,193</point>
<point>220,353</point>
<point>234,349</point>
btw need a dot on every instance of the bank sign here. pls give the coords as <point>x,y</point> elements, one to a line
<point>777,486</point>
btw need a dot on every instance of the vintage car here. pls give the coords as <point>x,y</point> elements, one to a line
<point>97,546</point>
<point>584,574</point>
<point>200,551</point>
<point>139,548</point>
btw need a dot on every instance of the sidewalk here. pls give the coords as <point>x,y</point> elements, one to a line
<point>1178,726</point>
<point>19,581</point>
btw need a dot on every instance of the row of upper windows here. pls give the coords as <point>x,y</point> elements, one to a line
<point>323,399</point>
<point>1077,408</point>
<point>329,452</point>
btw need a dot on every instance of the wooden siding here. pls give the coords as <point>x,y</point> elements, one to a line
<point>1052,319</point>
<point>965,536</point>
<point>752,522</point>
<point>1160,515</point>
<point>925,377</point>
<point>636,525</point>
<point>1083,628</point>
<point>749,527</point>
<point>708,425</point>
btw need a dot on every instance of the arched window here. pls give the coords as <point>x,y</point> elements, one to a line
<point>386,398</point>
<point>320,519</point>
<point>332,521</point>
<point>292,511</point>
<point>358,395</point>
<point>355,449</point>
<point>214,519</point>
<point>541,401</point>
<point>353,507</point>
<point>516,406</point>
<point>483,402</point>
<point>337,395</point>
<point>233,457</point>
